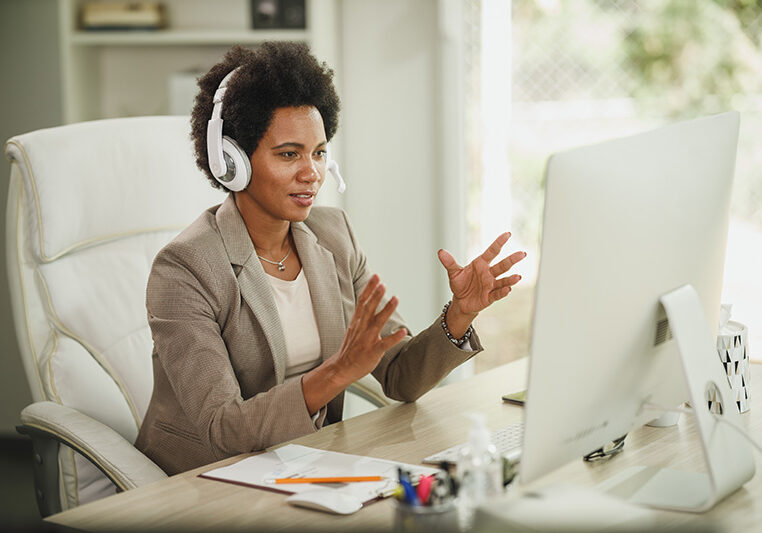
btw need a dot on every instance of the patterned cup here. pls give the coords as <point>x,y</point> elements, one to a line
<point>733,349</point>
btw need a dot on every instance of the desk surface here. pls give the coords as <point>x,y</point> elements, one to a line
<point>407,433</point>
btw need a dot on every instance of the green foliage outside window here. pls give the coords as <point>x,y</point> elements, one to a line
<point>665,59</point>
<point>694,56</point>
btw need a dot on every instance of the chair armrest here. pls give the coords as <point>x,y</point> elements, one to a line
<point>118,459</point>
<point>370,390</point>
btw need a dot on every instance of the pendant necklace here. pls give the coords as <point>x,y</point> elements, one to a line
<point>281,266</point>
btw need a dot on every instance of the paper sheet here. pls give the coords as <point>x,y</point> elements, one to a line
<point>301,461</point>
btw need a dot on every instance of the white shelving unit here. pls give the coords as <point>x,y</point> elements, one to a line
<point>108,74</point>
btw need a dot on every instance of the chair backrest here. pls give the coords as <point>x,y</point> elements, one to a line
<point>89,206</point>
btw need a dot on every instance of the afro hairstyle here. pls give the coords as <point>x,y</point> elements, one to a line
<point>275,74</point>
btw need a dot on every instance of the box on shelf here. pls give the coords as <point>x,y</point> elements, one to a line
<point>101,15</point>
<point>278,14</point>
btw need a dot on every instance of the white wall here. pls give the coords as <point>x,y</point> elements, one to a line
<point>29,100</point>
<point>392,147</point>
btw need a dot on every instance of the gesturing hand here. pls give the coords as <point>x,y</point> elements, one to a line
<point>362,349</point>
<point>477,285</point>
<point>363,345</point>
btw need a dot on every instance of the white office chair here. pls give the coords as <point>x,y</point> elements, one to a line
<point>89,206</point>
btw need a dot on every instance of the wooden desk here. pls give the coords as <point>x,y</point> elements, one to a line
<point>407,433</point>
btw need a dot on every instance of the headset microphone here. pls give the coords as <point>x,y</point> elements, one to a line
<point>333,168</point>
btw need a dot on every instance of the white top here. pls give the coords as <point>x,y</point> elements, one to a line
<point>299,325</point>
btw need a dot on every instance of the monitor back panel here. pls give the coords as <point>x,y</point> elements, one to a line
<point>625,221</point>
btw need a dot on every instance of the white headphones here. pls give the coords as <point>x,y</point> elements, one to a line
<point>228,162</point>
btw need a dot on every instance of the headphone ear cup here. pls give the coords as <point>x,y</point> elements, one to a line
<point>238,166</point>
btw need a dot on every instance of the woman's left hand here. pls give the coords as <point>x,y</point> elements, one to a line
<point>477,285</point>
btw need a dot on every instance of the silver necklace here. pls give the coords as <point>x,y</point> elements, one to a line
<point>281,266</point>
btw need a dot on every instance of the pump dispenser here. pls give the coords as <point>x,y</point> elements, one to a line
<point>479,469</point>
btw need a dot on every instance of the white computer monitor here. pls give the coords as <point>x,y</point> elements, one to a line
<point>627,222</point>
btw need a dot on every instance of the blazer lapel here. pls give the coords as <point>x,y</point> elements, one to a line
<point>322,277</point>
<point>252,281</point>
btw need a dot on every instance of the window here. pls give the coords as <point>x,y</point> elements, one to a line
<point>548,75</point>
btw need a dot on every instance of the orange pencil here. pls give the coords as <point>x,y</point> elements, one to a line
<point>345,479</point>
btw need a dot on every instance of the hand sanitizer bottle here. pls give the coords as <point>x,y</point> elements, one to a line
<point>480,471</point>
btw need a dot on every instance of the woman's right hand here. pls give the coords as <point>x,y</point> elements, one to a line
<point>363,347</point>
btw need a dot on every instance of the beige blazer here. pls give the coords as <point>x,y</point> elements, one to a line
<point>219,355</point>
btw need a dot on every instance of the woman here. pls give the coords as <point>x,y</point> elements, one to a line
<point>263,311</point>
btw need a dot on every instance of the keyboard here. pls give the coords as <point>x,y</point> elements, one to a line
<point>507,441</point>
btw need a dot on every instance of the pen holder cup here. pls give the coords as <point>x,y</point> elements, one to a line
<point>440,518</point>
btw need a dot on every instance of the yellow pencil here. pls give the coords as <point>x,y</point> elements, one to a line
<point>344,479</point>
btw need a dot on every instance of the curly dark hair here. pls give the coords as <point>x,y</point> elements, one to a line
<point>273,75</point>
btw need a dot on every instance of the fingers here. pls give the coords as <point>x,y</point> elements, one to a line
<point>508,281</point>
<point>499,294</point>
<point>366,312</point>
<point>370,297</point>
<point>503,287</point>
<point>505,265</point>
<point>390,340</point>
<point>368,290</point>
<point>380,319</point>
<point>448,261</point>
<point>363,344</point>
<point>491,252</point>
<point>365,316</point>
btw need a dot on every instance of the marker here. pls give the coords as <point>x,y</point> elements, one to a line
<point>411,497</point>
<point>424,489</point>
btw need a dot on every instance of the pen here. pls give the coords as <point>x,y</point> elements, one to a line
<point>340,479</point>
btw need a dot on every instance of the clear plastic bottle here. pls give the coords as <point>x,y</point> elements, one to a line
<point>479,470</point>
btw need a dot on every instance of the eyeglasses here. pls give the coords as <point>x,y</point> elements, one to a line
<point>607,450</point>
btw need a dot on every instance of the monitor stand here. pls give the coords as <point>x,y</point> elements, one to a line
<point>728,456</point>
